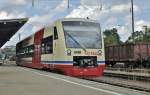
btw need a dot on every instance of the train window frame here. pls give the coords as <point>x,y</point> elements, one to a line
<point>55,33</point>
<point>100,32</point>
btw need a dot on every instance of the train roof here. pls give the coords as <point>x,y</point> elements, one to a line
<point>78,19</point>
<point>63,19</point>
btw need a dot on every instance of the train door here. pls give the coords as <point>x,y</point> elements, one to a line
<point>47,49</point>
<point>55,38</point>
<point>37,47</point>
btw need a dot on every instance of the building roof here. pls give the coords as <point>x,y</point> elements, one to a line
<point>9,27</point>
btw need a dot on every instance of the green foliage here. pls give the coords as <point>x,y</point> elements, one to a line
<point>146,38</point>
<point>111,37</point>
<point>139,36</point>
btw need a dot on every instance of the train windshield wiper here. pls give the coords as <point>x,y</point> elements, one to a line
<point>76,41</point>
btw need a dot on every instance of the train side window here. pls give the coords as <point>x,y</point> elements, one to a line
<point>55,33</point>
<point>47,45</point>
<point>26,51</point>
<point>43,48</point>
<point>31,49</point>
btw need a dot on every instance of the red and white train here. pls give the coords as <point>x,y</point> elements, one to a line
<point>72,46</point>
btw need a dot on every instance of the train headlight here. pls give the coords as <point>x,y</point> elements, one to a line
<point>99,52</point>
<point>69,52</point>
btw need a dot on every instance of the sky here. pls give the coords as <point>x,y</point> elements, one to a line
<point>109,13</point>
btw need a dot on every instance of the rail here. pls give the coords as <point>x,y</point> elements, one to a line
<point>121,84</point>
<point>142,71</point>
<point>128,74</point>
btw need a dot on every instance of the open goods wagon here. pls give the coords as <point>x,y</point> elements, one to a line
<point>133,55</point>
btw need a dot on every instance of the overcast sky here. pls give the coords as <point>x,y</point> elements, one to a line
<point>110,13</point>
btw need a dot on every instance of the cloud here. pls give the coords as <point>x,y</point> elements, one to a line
<point>6,15</point>
<point>113,13</point>
<point>62,6</point>
<point>80,12</point>
<point>140,23</point>
<point>17,2</point>
<point>123,8</point>
<point>124,32</point>
<point>109,16</point>
<point>36,21</point>
<point>120,8</point>
<point>87,8</point>
<point>14,2</point>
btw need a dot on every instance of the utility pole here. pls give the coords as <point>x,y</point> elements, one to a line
<point>68,4</point>
<point>19,36</point>
<point>132,12</point>
<point>101,6</point>
<point>32,3</point>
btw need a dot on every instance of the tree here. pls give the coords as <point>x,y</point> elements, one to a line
<point>111,37</point>
<point>139,36</point>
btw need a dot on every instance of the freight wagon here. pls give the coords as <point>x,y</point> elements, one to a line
<point>132,55</point>
<point>72,46</point>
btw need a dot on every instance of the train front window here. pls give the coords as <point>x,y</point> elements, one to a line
<point>82,34</point>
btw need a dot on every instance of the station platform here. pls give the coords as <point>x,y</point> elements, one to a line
<point>16,80</point>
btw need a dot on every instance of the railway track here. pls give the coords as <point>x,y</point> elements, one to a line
<point>131,74</point>
<point>128,76</point>
<point>139,70</point>
<point>122,83</point>
<point>138,79</point>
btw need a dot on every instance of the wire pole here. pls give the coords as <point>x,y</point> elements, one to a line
<point>19,36</point>
<point>68,4</point>
<point>101,5</point>
<point>32,3</point>
<point>132,12</point>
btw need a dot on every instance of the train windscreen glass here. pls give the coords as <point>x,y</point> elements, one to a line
<point>82,34</point>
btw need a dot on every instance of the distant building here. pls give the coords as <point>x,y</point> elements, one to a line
<point>2,55</point>
<point>9,51</point>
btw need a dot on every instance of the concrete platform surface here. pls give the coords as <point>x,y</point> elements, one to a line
<point>16,80</point>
